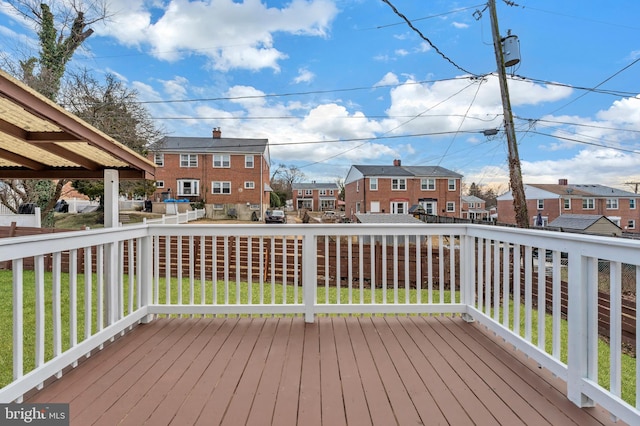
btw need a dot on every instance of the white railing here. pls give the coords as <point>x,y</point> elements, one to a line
<point>178,218</point>
<point>499,277</point>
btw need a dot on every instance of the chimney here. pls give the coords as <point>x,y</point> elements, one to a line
<point>217,133</point>
<point>563,182</point>
<point>397,163</point>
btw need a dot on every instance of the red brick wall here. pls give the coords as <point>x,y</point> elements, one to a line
<point>385,195</point>
<point>554,207</point>
<point>237,174</point>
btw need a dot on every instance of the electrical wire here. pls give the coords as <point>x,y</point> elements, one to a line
<point>397,12</point>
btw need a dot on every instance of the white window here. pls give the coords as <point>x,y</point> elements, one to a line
<point>249,184</point>
<point>375,207</point>
<point>612,203</point>
<point>430,207</point>
<point>567,203</point>
<point>248,161</point>
<point>358,207</point>
<point>159,159</point>
<point>188,187</point>
<point>308,192</point>
<point>452,184</point>
<point>159,184</point>
<point>358,188</point>
<point>471,205</point>
<point>373,184</point>
<point>428,184</point>
<point>398,184</point>
<point>614,219</point>
<point>631,224</point>
<point>299,192</point>
<point>540,204</point>
<point>188,160</point>
<point>218,206</point>
<point>221,187</point>
<point>331,192</point>
<point>632,203</point>
<point>399,207</point>
<point>221,161</point>
<point>451,206</point>
<point>588,203</point>
<point>322,192</point>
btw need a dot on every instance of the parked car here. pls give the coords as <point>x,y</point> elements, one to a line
<point>275,216</point>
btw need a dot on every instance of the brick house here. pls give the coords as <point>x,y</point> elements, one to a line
<point>315,196</point>
<point>230,175</point>
<point>553,200</point>
<point>474,208</point>
<point>395,188</point>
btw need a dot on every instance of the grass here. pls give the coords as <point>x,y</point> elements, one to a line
<point>272,294</point>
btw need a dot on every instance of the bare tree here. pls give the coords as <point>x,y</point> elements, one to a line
<point>62,27</point>
<point>114,109</point>
<point>283,178</point>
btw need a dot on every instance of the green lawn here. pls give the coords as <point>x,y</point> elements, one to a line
<point>279,294</point>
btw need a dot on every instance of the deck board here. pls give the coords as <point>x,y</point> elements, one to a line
<point>337,371</point>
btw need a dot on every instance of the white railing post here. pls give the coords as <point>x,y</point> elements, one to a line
<point>146,270</point>
<point>309,275</point>
<point>18,321</point>
<point>467,273</point>
<point>578,352</point>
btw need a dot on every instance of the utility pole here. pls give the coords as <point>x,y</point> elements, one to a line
<point>633,184</point>
<point>515,174</point>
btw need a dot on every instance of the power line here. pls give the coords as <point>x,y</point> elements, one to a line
<point>631,151</point>
<point>397,12</point>
<point>427,17</point>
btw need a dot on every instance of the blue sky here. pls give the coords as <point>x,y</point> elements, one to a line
<point>332,83</point>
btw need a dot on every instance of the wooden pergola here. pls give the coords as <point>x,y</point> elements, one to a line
<point>41,140</point>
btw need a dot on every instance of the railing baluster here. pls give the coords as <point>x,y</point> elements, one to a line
<point>338,270</point>
<point>395,269</point>
<point>179,269</point>
<point>284,269</point>
<point>88,295</point>
<point>517,281</point>
<point>407,284</point>
<point>615,327</point>
<point>418,270</point>
<point>203,272</point>
<point>528,293</point>
<point>480,289</point>
<point>326,269</point>
<point>73,300</point>
<point>167,269</point>
<point>556,306</point>
<point>487,277</point>
<point>430,267</point>
<point>18,322</point>
<point>237,241</point>
<point>226,270</point>
<point>350,268</point>
<point>214,268</point>
<point>56,307</point>
<point>496,281</point>
<point>384,270</point>
<point>372,282</point>
<point>441,267</point>
<point>452,267</point>
<point>542,298</point>
<point>361,268</point>
<point>192,265</point>
<point>249,271</point>
<point>131,263</point>
<point>506,285</point>
<point>40,308</point>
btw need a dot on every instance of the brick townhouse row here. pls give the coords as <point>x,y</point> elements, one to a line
<point>229,175</point>
<point>396,188</point>
<point>547,202</point>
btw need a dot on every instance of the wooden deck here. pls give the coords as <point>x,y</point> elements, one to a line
<point>339,370</point>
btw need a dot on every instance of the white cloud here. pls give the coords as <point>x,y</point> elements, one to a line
<point>460,25</point>
<point>230,34</point>
<point>401,52</point>
<point>304,76</point>
<point>389,79</point>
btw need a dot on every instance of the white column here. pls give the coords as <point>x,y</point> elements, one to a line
<point>111,187</point>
